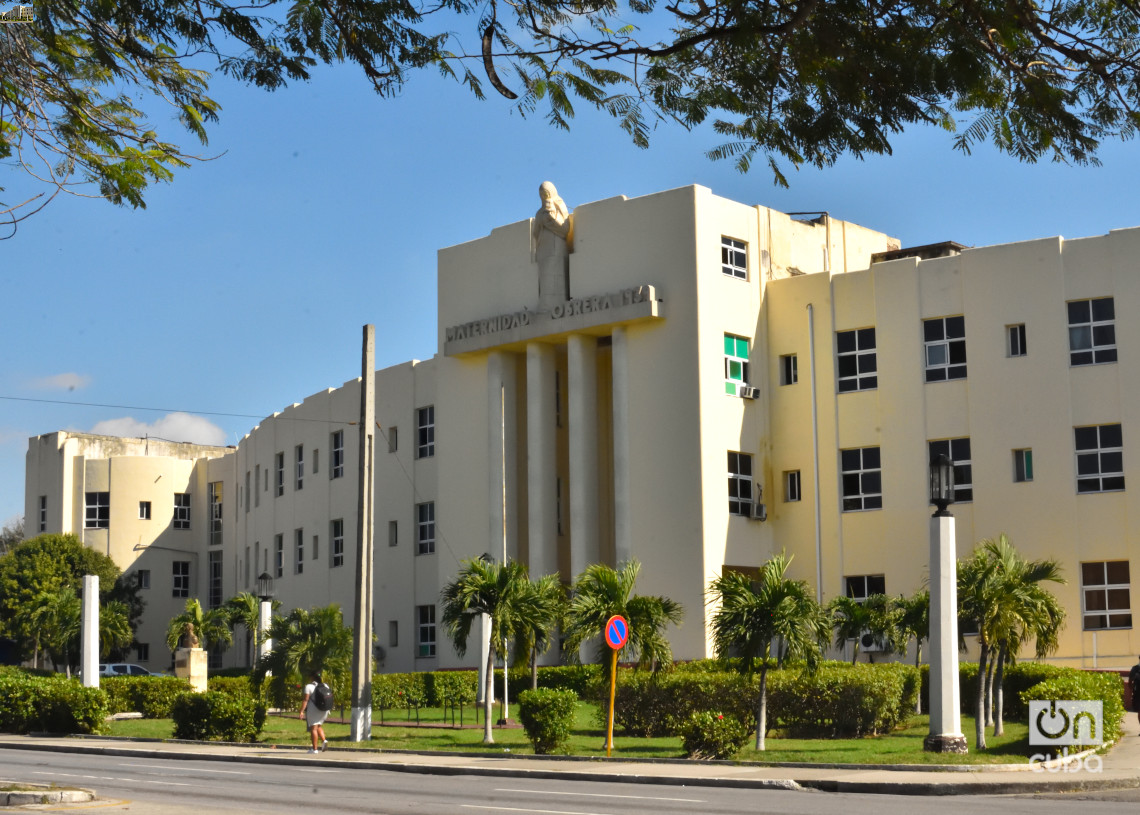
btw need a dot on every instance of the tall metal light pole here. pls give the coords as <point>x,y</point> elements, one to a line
<point>945,714</point>
<point>362,617</point>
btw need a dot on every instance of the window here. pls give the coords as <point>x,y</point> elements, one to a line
<point>214,599</point>
<point>336,537</point>
<point>945,343</point>
<point>425,528</point>
<point>734,258</point>
<point>214,489</point>
<point>298,551</point>
<point>739,484</point>
<point>1105,599</point>
<point>43,513</point>
<point>299,474</point>
<point>789,370</point>
<point>247,492</point>
<point>958,451</point>
<point>1023,465</point>
<point>1100,458</point>
<point>256,484</point>
<point>425,639</point>
<point>181,510</point>
<point>278,555</point>
<point>316,546</point>
<point>1016,335</point>
<point>1092,331</point>
<point>862,479</point>
<point>862,586</point>
<point>857,360</point>
<point>735,363</point>
<point>98,511</point>
<point>181,575</point>
<point>393,534</point>
<point>316,459</point>
<point>142,578</point>
<point>336,464</point>
<point>280,473</point>
<point>425,432</point>
<point>247,569</point>
<point>792,485</point>
<point>393,439</point>
<point>393,633</point>
<point>142,651</point>
<point>144,510</point>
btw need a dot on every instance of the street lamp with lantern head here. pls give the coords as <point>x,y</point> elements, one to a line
<point>265,613</point>
<point>941,482</point>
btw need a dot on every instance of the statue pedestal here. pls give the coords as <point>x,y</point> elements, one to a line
<point>191,663</point>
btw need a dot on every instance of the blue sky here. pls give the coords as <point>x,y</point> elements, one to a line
<point>244,285</point>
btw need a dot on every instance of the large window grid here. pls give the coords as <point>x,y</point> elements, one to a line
<point>214,488</point>
<point>1106,595</point>
<point>336,465</point>
<point>97,511</point>
<point>180,574</point>
<point>862,479</point>
<point>734,258</point>
<point>214,598</point>
<point>425,631</point>
<point>739,484</point>
<point>1100,458</point>
<point>857,360</point>
<point>181,510</point>
<point>336,536</point>
<point>735,363</point>
<point>425,432</point>
<point>945,348</point>
<point>958,451</point>
<point>1092,331</point>
<point>425,528</point>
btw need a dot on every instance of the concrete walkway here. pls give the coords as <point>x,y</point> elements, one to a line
<point>1118,769</point>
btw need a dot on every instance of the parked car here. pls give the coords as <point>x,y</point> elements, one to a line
<point>124,669</point>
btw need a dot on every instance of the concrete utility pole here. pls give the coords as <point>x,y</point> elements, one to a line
<point>89,620</point>
<point>362,627</point>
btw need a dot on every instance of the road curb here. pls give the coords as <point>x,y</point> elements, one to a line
<point>42,794</point>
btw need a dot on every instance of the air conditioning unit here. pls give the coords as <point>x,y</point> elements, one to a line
<point>748,392</point>
<point>759,512</point>
<point>868,644</point>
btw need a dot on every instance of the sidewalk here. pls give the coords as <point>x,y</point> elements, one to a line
<point>1119,769</point>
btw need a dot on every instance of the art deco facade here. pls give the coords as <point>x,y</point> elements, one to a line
<point>726,382</point>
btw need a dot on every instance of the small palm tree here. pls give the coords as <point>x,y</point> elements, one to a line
<point>57,617</point>
<point>308,640</point>
<point>850,619</point>
<point>205,629</point>
<point>546,605</point>
<point>601,592</point>
<point>245,609</point>
<point>114,627</point>
<point>914,623</point>
<point>502,592</point>
<point>755,616</point>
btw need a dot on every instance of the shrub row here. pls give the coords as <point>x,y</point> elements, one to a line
<point>217,716</point>
<point>152,696</point>
<point>1083,686</point>
<point>31,704</point>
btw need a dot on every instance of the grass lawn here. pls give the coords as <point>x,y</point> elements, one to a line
<point>588,739</point>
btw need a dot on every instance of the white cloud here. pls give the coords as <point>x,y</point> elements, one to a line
<point>62,382</point>
<point>173,427</point>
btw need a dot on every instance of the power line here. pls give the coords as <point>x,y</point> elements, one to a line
<point>173,410</point>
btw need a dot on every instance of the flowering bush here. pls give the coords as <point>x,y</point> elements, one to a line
<point>713,735</point>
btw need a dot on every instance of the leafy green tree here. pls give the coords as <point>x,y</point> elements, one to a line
<point>46,563</point>
<point>11,534</point>
<point>876,616</point>
<point>244,609</point>
<point>796,81</point>
<point>599,593</point>
<point>546,605</point>
<point>503,592</point>
<point>57,616</point>
<point>307,640</point>
<point>754,617</point>
<point>196,627</point>
<point>914,623</point>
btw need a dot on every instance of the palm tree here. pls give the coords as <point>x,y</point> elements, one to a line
<point>754,614</point>
<point>876,616</point>
<point>601,592</point>
<point>914,622</point>
<point>850,619</point>
<point>306,641</point>
<point>546,603</point>
<point>57,619</point>
<point>499,590</point>
<point>114,627</point>
<point>206,629</point>
<point>245,609</point>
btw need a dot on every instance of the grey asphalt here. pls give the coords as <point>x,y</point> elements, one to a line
<point>1118,768</point>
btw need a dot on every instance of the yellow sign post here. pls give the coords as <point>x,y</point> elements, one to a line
<point>617,635</point>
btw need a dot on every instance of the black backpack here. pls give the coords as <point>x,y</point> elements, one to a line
<point>322,697</point>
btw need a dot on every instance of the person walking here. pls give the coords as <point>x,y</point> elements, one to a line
<point>313,715</point>
<point>1134,682</point>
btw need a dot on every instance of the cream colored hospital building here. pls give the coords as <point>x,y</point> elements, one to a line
<point>726,382</point>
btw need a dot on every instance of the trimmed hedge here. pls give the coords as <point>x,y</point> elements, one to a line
<point>547,716</point>
<point>152,696</point>
<point>30,704</point>
<point>1085,686</point>
<point>840,700</point>
<point>649,704</point>
<point>713,735</point>
<point>217,716</point>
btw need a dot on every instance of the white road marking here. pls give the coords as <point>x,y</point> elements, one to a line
<point>540,811</point>
<point>116,778</point>
<point>603,795</point>
<point>191,769</point>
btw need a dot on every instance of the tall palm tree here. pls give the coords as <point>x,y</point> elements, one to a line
<point>210,628</point>
<point>308,640</point>
<point>499,590</point>
<point>601,592</point>
<point>753,616</point>
<point>546,604</point>
<point>57,617</point>
<point>114,627</point>
<point>914,622</point>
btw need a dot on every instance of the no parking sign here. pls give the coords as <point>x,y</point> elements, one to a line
<point>617,632</point>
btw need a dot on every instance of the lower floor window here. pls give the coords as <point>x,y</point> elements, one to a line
<point>862,586</point>
<point>1105,595</point>
<point>425,638</point>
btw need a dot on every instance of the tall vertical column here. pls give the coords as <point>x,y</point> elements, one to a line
<point>502,384</point>
<point>89,621</point>
<point>542,465</point>
<point>582,361</point>
<point>945,711</point>
<point>623,523</point>
<point>361,727</point>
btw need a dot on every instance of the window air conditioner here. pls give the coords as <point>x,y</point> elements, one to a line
<point>868,644</point>
<point>748,392</point>
<point>759,512</point>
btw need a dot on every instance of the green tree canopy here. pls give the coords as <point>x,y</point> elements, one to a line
<point>210,627</point>
<point>307,640</point>
<point>795,81</point>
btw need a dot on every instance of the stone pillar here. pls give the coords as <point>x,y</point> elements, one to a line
<point>265,617</point>
<point>542,463</point>
<point>583,397</point>
<point>623,524</point>
<point>89,621</point>
<point>192,664</point>
<point>945,711</point>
